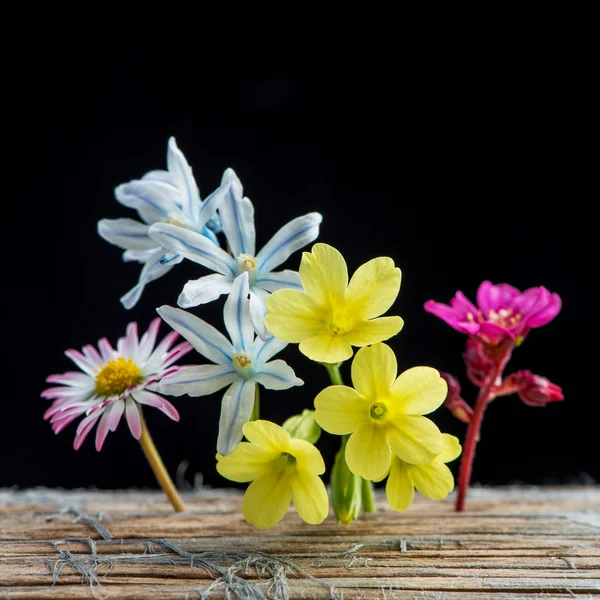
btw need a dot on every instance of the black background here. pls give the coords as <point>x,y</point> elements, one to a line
<point>439,136</point>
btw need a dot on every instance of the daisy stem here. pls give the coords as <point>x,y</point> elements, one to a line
<point>256,408</point>
<point>485,396</point>
<point>366,486</point>
<point>158,467</point>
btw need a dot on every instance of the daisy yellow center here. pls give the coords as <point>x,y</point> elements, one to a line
<point>377,410</point>
<point>116,376</point>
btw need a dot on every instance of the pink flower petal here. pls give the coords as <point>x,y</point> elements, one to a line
<point>92,355</point>
<point>106,350</point>
<point>176,353</point>
<point>546,312</point>
<point>463,305</point>
<point>114,415</point>
<point>451,316</point>
<point>103,429</point>
<point>132,415</point>
<point>487,297</point>
<point>151,399</point>
<point>84,428</point>
<point>128,345</point>
<point>148,340</point>
<point>72,378</point>
<point>81,361</point>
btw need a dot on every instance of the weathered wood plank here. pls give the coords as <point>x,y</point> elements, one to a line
<point>514,543</point>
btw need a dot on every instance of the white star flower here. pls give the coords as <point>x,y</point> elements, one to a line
<point>160,197</point>
<point>237,218</point>
<point>240,364</point>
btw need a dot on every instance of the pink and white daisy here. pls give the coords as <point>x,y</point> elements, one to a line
<point>114,382</point>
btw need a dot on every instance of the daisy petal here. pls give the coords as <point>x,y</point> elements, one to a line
<point>399,488</point>
<point>115,412</point>
<point>201,380</point>
<point>84,427</point>
<point>204,337</point>
<point>126,233</point>
<point>309,497</point>
<point>368,452</point>
<point>236,314</point>
<point>374,287</point>
<point>132,414</point>
<point>277,375</point>
<point>193,246</point>
<point>415,439</point>
<point>341,410</point>
<point>204,290</point>
<point>419,391</point>
<point>236,410</point>
<point>267,499</point>
<point>151,399</point>
<point>237,217</point>
<point>246,463</point>
<point>291,237</point>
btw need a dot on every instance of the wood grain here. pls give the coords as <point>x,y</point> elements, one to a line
<point>513,543</point>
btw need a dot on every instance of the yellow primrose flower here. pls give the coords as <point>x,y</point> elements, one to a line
<point>383,413</point>
<point>282,470</point>
<point>434,480</point>
<point>331,315</point>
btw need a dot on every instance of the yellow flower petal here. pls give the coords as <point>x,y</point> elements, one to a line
<point>246,463</point>
<point>267,435</point>
<point>419,391</point>
<point>450,450</point>
<point>340,409</point>
<point>374,287</point>
<point>324,274</point>
<point>415,439</point>
<point>310,497</point>
<point>376,330</point>
<point>293,316</point>
<point>399,488</point>
<point>434,481</point>
<point>368,452</point>
<point>326,347</point>
<point>267,499</point>
<point>308,458</point>
<point>373,371</point>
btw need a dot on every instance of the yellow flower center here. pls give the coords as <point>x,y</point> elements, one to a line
<point>503,317</point>
<point>246,263</point>
<point>242,360</point>
<point>286,460</point>
<point>377,410</point>
<point>116,376</point>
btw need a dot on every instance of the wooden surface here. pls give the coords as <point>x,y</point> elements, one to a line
<point>513,543</point>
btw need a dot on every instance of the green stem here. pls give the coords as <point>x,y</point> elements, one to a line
<point>334,373</point>
<point>256,408</point>
<point>158,467</point>
<point>368,496</point>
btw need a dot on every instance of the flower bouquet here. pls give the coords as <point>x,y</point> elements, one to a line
<point>384,433</point>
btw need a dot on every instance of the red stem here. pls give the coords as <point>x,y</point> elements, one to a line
<point>485,396</point>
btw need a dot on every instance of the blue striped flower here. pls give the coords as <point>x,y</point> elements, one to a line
<point>237,217</point>
<point>239,364</point>
<point>170,196</point>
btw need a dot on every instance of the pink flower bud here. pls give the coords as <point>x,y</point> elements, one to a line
<point>534,390</point>
<point>479,364</point>
<point>454,402</point>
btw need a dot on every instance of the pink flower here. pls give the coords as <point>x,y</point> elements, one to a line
<point>534,390</point>
<point>114,382</point>
<point>502,311</point>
